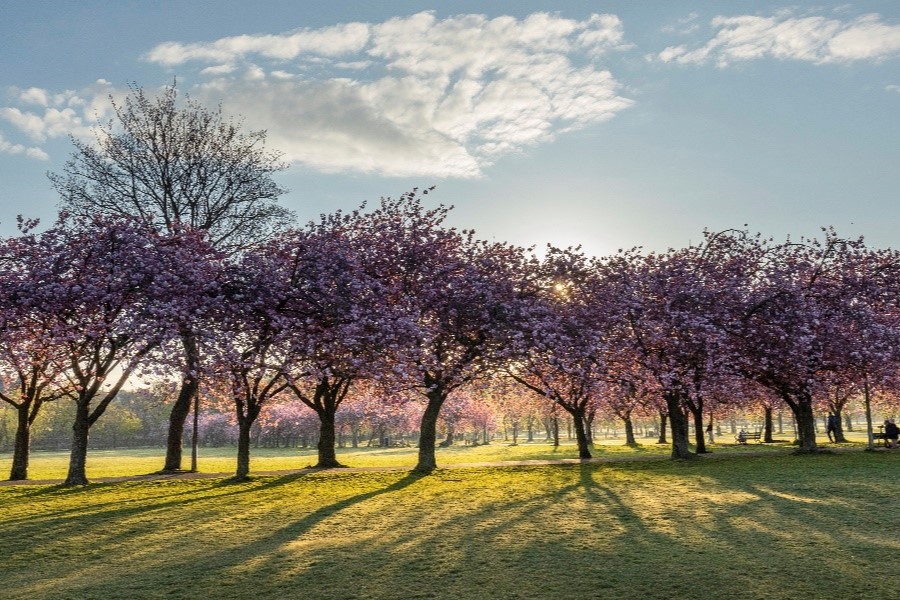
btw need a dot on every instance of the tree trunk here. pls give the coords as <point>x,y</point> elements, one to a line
<point>78,456</point>
<point>696,411</point>
<point>243,449</point>
<point>584,449</point>
<point>629,431</point>
<point>680,446</point>
<point>663,418</point>
<point>768,426</point>
<point>839,426</point>
<point>327,453</point>
<point>190,386</point>
<point>805,422</point>
<point>428,431</point>
<point>19,470</point>
<point>555,425</point>
<point>589,428</point>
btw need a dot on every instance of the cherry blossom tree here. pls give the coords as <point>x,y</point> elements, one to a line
<point>248,351</point>
<point>676,305</point>
<point>30,371</point>
<point>454,291</point>
<point>177,165</point>
<point>792,335</point>
<point>110,289</point>
<point>559,344</point>
<point>342,324</point>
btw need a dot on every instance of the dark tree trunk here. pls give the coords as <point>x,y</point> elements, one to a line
<point>629,431</point>
<point>19,470</point>
<point>554,423</point>
<point>428,431</point>
<point>696,411</point>
<point>768,426</point>
<point>190,386</point>
<point>78,456</point>
<point>584,449</point>
<point>243,450</point>
<point>529,429</point>
<point>663,418</point>
<point>805,420</point>
<point>680,446</point>
<point>589,429</point>
<point>839,425</point>
<point>327,453</point>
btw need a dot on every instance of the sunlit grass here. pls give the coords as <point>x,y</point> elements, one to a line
<point>122,462</point>
<point>778,526</point>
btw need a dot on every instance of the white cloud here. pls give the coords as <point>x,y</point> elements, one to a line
<point>812,39</point>
<point>684,26</point>
<point>43,115</point>
<point>892,88</point>
<point>7,147</point>
<point>328,41</point>
<point>414,95</point>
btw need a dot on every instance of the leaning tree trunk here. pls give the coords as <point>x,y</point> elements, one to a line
<point>584,449</point>
<point>428,431</point>
<point>78,456</point>
<point>680,445</point>
<point>190,386</point>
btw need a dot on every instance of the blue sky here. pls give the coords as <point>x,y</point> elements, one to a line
<point>608,124</point>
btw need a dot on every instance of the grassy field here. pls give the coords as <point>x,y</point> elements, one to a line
<point>776,526</point>
<point>115,463</point>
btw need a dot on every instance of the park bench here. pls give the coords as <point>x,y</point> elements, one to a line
<point>880,435</point>
<point>748,435</point>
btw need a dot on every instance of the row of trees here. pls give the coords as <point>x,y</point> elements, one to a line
<point>172,256</point>
<point>138,419</point>
<point>391,300</point>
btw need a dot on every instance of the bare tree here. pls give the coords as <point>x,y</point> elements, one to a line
<point>177,165</point>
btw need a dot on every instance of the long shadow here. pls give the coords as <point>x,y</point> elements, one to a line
<point>206,490</point>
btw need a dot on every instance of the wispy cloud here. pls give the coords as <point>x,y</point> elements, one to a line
<point>412,95</point>
<point>813,39</point>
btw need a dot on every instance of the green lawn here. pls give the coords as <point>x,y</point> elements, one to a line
<point>114,463</point>
<point>777,526</point>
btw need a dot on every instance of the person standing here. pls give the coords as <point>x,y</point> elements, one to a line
<point>831,426</point>
<point>891,433</point>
